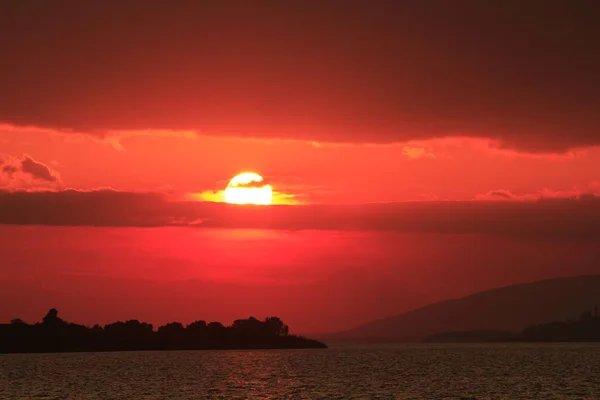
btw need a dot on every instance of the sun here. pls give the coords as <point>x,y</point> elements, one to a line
<point>248,188</point>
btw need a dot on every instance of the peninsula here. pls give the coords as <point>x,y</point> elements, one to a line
<point>54,334</point>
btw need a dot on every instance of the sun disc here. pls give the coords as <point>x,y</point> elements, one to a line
<point>248,188</point>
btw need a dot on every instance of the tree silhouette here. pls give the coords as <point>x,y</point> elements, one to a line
<point>56,335</point>
<point>52,318</point>
<point>197,326</point>
<point>276,326</point>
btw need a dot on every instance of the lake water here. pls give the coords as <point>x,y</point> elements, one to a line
<point>417,371</point>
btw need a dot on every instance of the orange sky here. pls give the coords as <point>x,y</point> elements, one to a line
<point>333,102</point>
<point>444,169</point>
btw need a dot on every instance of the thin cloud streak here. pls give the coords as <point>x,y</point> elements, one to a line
<point>566,218</point>
<point>112,138</point>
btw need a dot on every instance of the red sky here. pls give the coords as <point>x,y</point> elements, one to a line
<point>316,281</point>
<point>332,102</point>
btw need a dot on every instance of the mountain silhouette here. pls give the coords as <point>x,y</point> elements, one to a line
<point>511,308</point>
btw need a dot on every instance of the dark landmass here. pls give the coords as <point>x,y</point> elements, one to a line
<point>470,337</point>
<point>54,335</point>
<point>508,309</point>
<point>586,329</point>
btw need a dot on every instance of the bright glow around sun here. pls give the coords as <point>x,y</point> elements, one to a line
<point>248,188</point>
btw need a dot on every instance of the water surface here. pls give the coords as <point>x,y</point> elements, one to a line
<point>416,371</point>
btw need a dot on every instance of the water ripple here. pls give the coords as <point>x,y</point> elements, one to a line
<point>511,371</point>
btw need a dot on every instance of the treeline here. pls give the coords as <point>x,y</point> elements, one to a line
<point>54,334</point>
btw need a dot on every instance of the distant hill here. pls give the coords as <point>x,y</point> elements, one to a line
<point>510,308</point>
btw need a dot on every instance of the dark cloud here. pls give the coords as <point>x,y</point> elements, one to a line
<point>503,194</point>
<point>37,170</point>
<point>522,72</point>
<point>588,192</point>
<point>9,169</point>
<point>253,184</point>
<point>104,207</point>
<point>549,218</point>
<point>26,172</point>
